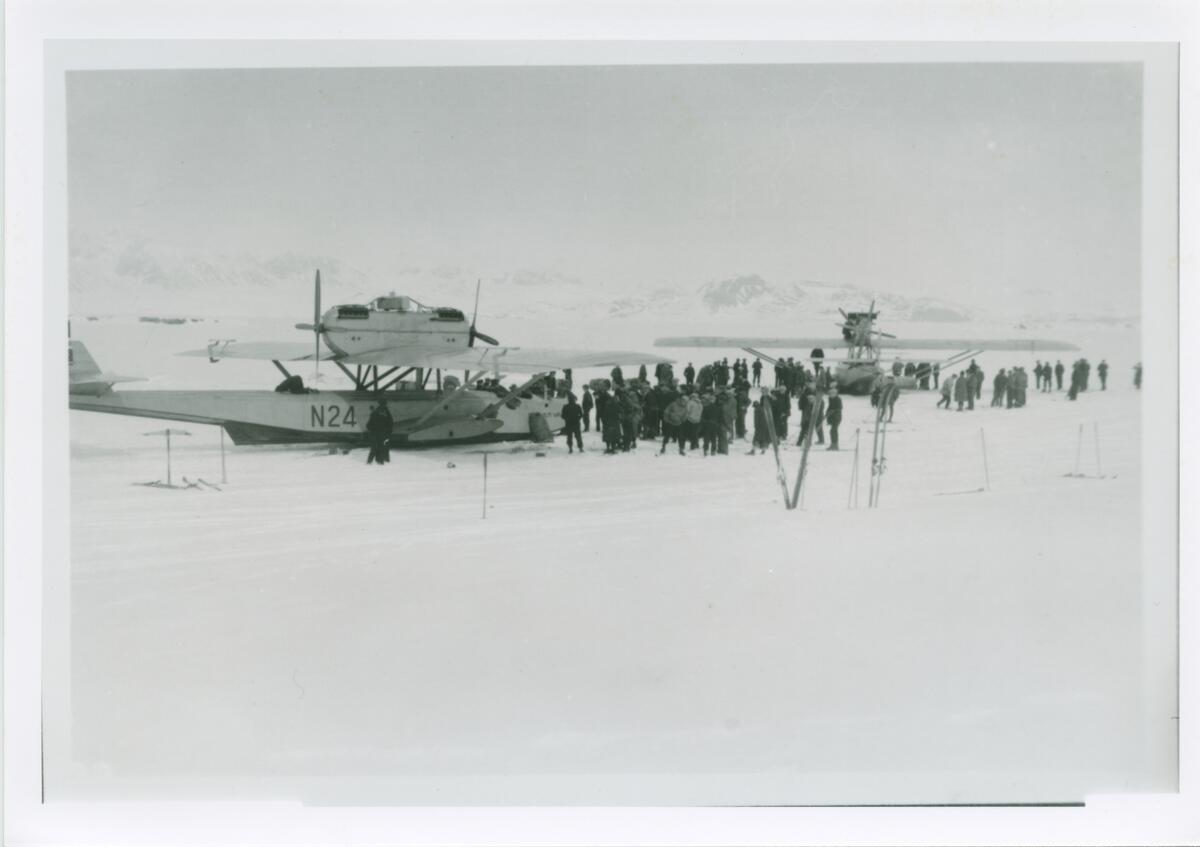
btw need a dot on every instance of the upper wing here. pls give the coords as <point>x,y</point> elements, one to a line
<point>509,359</point>
<point>280,351</point>
<point>736,342</point>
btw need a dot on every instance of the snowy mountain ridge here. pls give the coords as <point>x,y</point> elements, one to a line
<point>135,277</point>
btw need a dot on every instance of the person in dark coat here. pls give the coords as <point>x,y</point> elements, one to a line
<point>618,377</point>
<point>742,399</point>
<point>781,405</point>
<point>937,370</point>
<point>674,420</point>
<point>963,389</point>
<point>610,412</point>
<point>1058,374</point>
<point>891,393</point>
<point>631,419</point>
<point>999,387</point>
<point>762,439</point>
<point>379,430</point>
<point>651,415</point>
<point>572,416</point>
<point>728,405</point>
<point>689,374</point>
<point>757,369</point>
<point>1102,371</point>
<point>602,401</point>
<point>809,425</point>
<point>833,416</point>
<point>588,405</point>
<point>1137,376</point>
<point>710,423</point>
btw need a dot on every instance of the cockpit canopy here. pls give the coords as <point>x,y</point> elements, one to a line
<point>396,303</point>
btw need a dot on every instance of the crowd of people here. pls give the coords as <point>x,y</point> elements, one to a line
<point>707,409</point>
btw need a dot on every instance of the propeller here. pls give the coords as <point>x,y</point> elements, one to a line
<point>474,332</point>
<point>316,326</point>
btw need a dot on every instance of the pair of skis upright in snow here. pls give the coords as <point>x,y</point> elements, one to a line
<point>792,498</point>
<point>878,454</point>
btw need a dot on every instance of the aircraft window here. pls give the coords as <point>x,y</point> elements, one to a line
<point>356,312</point>
<point>450,314</point>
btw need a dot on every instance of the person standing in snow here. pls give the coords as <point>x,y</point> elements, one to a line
<point>674,421</point>
<point>833,416</point>
<point>588,405</point>
<point>808,425</point>
<point>572,416</point>
<point>999,387</point>
<point>379,430</point>
<point>695,411</point>
<point>1102,371</point>
<point>963,389</point>
<point>762,440</point>
<point>947,391</point>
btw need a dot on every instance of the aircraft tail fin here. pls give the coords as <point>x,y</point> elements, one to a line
<point>84,374</point>
<point>82,365</point>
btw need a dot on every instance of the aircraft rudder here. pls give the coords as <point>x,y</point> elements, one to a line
<point>80,361</point>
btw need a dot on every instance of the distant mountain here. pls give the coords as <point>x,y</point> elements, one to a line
<point>121,275</point>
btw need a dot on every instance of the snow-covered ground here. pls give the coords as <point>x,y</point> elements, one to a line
<point>619,629</point>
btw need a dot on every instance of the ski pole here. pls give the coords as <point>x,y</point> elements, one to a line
<point>853,497</point>
<point>987,481</point>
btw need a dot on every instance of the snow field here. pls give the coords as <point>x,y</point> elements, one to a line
<point>633,628</point>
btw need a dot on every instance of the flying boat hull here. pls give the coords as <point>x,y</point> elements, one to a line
<point>422,418</point>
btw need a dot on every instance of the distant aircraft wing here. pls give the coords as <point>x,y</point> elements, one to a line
<point>1031,345</point>
<point>508,359</point>
<point>739,342</point>
<point>281,351</point>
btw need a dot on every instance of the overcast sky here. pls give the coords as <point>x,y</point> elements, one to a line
<point>976,183</point>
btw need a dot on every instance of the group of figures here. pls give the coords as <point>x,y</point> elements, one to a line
<point>708,409</point>
<point>706,412</point>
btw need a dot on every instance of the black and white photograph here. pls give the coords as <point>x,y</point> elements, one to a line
<point>610,425</point>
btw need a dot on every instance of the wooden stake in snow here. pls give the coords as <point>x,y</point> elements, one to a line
<point>987,480</point>
<point>222,431</point>
<point>853,498</point>
<point>167,432</point>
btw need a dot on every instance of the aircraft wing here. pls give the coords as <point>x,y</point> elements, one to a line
<point>1030,345</point>
<point>507,359</point>
<point>737,343</point>
<point>281,351</point>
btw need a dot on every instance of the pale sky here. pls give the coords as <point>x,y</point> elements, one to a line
<point>977,183</point>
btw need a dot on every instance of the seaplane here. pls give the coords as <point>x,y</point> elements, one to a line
<point>862,367</point>
<point>394,350</point>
